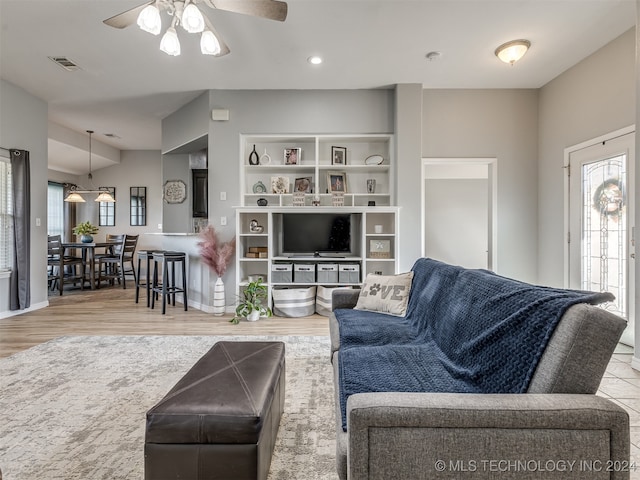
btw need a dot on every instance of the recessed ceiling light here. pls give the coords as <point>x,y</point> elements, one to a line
<point>314,60</point>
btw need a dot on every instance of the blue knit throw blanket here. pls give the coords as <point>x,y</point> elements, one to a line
<point>466,331</point>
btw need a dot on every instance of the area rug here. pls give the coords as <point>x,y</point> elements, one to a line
<point>74,408</point>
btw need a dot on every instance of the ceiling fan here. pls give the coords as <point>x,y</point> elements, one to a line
<point>187,14</point>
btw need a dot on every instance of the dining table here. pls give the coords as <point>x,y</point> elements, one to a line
<point>88,251</point>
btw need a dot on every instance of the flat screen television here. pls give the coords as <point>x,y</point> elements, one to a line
<point>316,233</point>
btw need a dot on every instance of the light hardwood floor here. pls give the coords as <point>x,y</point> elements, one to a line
<point>113,311</point>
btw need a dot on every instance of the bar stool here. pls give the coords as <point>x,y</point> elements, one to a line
<point>168,287</point>
<point>147,281</point>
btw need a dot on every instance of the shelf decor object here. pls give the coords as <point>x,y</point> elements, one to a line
<point>302,184</point>
<point>279,185</point>
<point>337,199</point>
<point>337,182</point>
<point>292,156</point>
<point>338,155</point>
<point>298,199</point>
<point>253,157</point>
<point>380,248</point>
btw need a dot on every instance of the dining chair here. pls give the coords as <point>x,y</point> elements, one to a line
<point>117,240</point>
<point>62,268</point>
<point>114,267</point>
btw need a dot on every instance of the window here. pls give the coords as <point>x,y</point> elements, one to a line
<point>55,209</point>
<point>107,216</point>
<point>6,215</point>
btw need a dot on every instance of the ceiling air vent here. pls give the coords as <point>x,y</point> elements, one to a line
<point>65,63</point>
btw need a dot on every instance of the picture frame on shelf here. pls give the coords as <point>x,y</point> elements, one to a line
<point>292,156</point>
<point>279,185</point>
<point>338,155</point>
<point>302,184</point>
<point>337,182</point>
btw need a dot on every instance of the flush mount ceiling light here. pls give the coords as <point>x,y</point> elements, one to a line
<point>314,60</point>
<point>103,192</point>
<point>187,14</point>
<point>513,51</point>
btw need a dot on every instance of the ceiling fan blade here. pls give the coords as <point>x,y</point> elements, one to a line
<point>224,49</point>
<point>272,9</point>
<point>124,19</point>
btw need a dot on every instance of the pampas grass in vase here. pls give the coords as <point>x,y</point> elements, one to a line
<point>217,256</point>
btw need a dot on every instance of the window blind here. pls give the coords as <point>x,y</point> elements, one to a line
<point>55,209</point>
<point>6,215</point>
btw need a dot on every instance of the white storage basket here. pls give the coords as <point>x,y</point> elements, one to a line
<point>294,301</point>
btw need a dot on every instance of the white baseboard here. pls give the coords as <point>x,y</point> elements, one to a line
<point>13,313</point>
<point>635,363</point>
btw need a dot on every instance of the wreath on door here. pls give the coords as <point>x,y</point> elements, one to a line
<point>609,198</point>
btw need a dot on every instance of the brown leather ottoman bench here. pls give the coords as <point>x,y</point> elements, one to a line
<point>221,419</point>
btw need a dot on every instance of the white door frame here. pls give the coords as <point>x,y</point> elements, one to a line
<point>567,152</point>
<point>492,163</point>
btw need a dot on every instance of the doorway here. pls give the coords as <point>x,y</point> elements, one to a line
<point>601,202</point>
<point>459,211</point>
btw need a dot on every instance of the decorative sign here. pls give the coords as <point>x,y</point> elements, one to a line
<point>174,191</point>
<point>380,248</point>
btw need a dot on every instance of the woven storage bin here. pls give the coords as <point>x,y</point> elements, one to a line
<point>328,273</point>
<point>304,273</point>
<point>294,301</point>
<point>324,304</point>
<point>349,273</point>
<point>282,273</point>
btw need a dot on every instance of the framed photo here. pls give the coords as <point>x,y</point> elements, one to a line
<point>337,182</point>
<point>279,185</point>
<point>302,184</point>
<point>338,155</point>
<point>292,156</point>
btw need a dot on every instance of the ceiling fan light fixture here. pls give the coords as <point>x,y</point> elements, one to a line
<point>513,51</point>
<point>170,43</point>
<point>192,19</point>
<point>149,20</point>
<point>209,44</point>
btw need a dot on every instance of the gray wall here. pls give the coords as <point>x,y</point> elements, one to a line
<point>593,98</point>
<point>176,217</point>
<point>23,124</point>
<point>500,124</point>
<point>409,132</point>
<point>137,168</point>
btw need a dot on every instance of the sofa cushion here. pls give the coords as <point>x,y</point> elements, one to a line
<point>386,293</point>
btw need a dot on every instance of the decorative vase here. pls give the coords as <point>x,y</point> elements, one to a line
<point>253,316</point>
<point>86,238</point>
<point>218,297</point>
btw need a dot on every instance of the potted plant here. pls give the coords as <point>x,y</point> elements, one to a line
<point>86,231</point>
<point>251,306</point>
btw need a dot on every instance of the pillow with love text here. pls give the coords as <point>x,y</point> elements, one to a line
<point>386,293</point>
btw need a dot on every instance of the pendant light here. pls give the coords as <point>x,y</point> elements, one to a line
<point>103,192</point>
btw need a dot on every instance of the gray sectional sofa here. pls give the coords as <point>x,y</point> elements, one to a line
<point>476,420</point>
